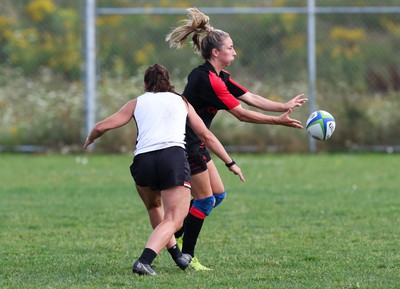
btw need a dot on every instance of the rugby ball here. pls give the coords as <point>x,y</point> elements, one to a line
<point>320,125</point>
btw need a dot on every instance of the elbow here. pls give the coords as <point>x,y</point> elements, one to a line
<point>206,137</point>
<point>100,128</point>
<point>242,117</point>
<point>240,114</point>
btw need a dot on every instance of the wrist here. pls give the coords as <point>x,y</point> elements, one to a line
<point>230,164</point>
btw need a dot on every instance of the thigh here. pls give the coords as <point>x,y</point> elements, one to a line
<point>153,203</point>
<point>151,198</point>
<point>176,202</point>
<point>217,185</point>
<point>201,186</point>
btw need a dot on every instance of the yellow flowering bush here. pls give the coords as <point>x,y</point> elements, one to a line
<point>49,37</point>
<point>142,55</point>
<point>38,10</point>
<point>346,41</point>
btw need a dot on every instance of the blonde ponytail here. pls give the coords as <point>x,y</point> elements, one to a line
<point>198,24</point>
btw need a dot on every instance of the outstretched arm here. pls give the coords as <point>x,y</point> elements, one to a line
<point>210,140</point>
<point>270,105</point>
<point>118,119</point>
<point>247,115</point>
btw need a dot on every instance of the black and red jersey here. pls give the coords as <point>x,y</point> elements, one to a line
<point>209,92</point>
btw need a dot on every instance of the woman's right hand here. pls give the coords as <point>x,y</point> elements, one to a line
<point>284,119</point>
<point>237,171</point>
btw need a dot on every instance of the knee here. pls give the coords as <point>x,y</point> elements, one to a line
<point>219,198</point>
<point>153,205</point>
<point>204,205</point>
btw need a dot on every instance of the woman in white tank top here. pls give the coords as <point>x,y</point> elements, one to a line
<point>161,117</point>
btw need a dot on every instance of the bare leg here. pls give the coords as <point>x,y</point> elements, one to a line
<point>176,201</point>
<point>154,205</point>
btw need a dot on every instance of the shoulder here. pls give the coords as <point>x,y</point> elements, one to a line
<point>199,70</point>
<point>131,105</point>
<point>197,76</point>
<point>170,98</point>
<point>225,73</point>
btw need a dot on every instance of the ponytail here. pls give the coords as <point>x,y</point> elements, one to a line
<point>205,37</point>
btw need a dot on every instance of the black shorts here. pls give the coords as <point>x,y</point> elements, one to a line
<point>161,169</point>
<point>198,159</point>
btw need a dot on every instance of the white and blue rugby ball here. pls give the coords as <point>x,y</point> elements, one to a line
<point>320,125</point>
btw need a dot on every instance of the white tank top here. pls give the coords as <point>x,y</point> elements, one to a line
<point>161,121</point>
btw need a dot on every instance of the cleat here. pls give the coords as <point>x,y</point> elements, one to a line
<point>184,261</point>
<point>143,269</point>
<point>179,242</point>
<point>195,264</point>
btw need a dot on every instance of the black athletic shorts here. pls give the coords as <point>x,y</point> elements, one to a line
<point>161,169</point>
<point>198,159</point>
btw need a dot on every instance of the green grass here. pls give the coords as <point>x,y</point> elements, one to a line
<point>299,221</point>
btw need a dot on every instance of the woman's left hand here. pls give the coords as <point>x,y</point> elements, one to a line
<point>296,101</point>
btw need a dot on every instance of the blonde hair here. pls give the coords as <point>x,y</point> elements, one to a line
<point>205,37</point>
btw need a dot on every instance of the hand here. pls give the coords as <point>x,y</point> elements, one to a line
<point>87,143</point>
<point>296,101</point>
<point>237,171</point>
<point>284,119</point>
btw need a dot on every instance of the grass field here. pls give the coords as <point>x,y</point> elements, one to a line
<point>299,221</point>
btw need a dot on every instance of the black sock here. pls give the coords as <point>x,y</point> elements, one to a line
<point>148,256</point>
<point>175,252</point>
<point>192,232</point>
<point>180,232</point>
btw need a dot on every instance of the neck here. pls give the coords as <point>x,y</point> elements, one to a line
<point>217,66</point>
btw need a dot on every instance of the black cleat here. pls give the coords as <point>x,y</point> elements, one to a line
<point>143,269</point>
<point>184,261</point>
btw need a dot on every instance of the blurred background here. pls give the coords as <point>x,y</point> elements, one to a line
<point>42,83</point>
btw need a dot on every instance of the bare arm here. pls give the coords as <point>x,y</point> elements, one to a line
<point>209,139</point>
<point>247,115</point>
<point>270,105</point>
<point>118,119</point>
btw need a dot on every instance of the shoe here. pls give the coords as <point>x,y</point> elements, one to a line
<point>184,261</point>
<point>195,264</point>
<point>179,242</point>
<point>143,269</point>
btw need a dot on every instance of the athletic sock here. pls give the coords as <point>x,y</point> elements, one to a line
<point>175,252</point>
<point>192,232</point>
<point>180,232</point>
<point>148,256</point>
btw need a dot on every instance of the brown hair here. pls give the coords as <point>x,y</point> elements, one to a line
<point>156,79</point>
<point>205,38</point>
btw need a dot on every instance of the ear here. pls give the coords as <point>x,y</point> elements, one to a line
<point>215,52</point>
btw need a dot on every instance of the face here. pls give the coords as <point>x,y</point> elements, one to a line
<point>227,53</point>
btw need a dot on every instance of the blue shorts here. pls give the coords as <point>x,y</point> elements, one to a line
<point>161,169</point>
<point>198,159</point>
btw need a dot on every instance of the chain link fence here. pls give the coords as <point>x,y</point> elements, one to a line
<point>358,69</point>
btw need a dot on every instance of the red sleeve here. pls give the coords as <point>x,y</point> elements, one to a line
<point>222,92</point>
